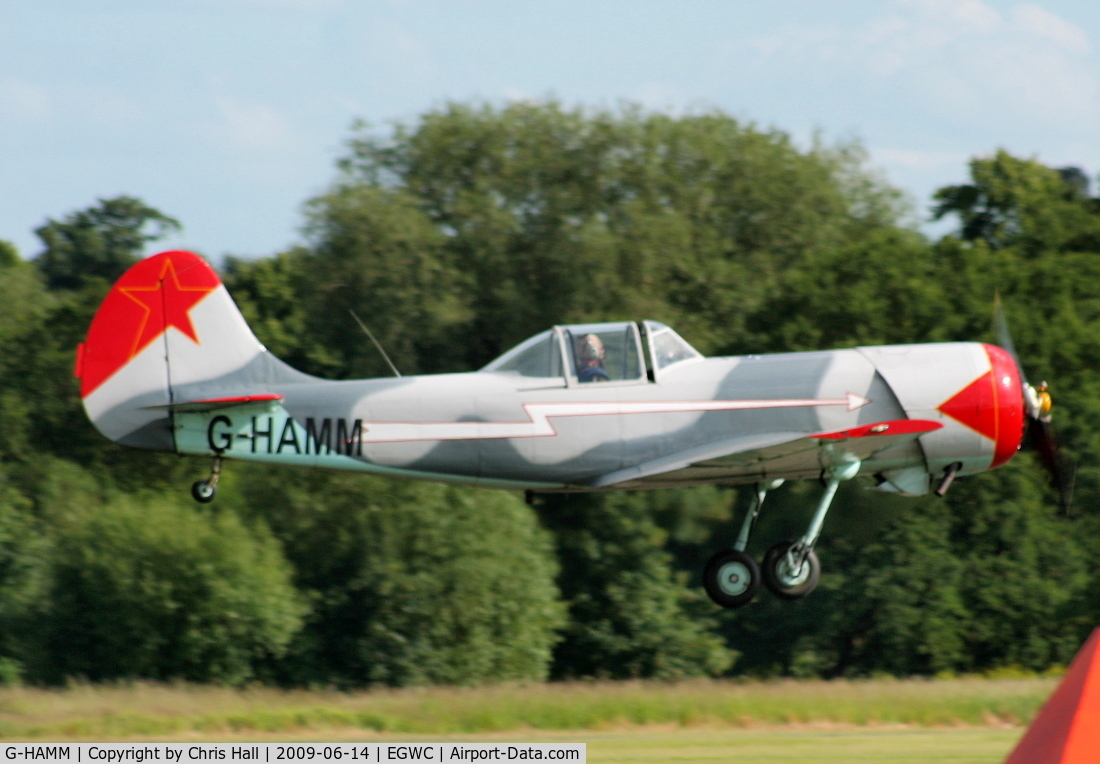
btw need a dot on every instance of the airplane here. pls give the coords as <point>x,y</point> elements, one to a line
<point>170,364</point>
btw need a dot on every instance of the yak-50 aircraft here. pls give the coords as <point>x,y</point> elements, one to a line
<point>170,364</point>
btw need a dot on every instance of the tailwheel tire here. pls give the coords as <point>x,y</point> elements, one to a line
<point>203,492</point>
<point>731,578</point>
<point>791,582</point>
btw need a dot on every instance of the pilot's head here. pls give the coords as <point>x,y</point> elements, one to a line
<point>590,350</point>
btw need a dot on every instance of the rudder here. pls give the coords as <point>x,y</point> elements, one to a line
<point>166,331</point>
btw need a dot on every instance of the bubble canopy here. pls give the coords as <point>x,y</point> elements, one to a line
<point>618,351</point>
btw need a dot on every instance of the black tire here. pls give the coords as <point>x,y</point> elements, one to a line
<point>203,492</point>
<point>784,583</point>
<point>731,578</point>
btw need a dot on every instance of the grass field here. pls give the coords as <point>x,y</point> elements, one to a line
<point>904,707</point>
<point>785,744</point>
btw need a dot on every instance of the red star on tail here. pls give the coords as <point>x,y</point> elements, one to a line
<point>166,303</point>
<point>153,295</point>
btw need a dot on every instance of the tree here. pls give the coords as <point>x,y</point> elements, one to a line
<point>25,550</point>
<point>629,615</point>
<point>9,255</point>
<point>1014,201</point>
<point>24,306</point>
<point>882,289</point>
<point>101,241</point>
<point>40,328</point>
<point>150,589</point>
<point>553,215</point>
<point>409,583</point>
<point>378,255</point>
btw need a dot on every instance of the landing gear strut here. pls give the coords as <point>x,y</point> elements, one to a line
<point>790,569</point>
<point>204,491</point>
<point>731,577</point>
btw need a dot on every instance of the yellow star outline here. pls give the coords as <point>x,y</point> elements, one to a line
<point>143,296</point>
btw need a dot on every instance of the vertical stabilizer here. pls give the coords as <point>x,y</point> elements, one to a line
<point>167,324</point>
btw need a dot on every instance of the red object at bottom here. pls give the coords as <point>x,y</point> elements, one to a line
<point>1067,728</point>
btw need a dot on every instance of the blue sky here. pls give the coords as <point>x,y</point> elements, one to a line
<point>229,114</point>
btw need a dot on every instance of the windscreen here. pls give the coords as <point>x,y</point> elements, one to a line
<point>668,347</point>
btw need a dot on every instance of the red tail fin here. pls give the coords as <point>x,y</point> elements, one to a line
<point>152,296</point>
<point>167,329</point>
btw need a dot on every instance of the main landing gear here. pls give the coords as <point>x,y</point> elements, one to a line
<point>790,569</point>
<point>204,491</point>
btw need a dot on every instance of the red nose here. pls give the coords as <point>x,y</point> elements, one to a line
<point>1008,393</point>
<point>993,405</point>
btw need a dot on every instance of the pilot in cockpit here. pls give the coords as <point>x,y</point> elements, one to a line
<point>590,353</point>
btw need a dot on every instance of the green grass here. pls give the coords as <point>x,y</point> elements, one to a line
<point>842,746</point>
<point>193,712</point>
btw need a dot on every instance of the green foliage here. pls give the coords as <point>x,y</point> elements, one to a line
<point>142,587</point>
<point>267,292</point>
<point>24,306</point>
<point>553,215</point>
<point>629,615</point>
<point>410,583</point>
<point>24,553</point>
<point>99,242</point>
<point>1020,202</point>
<point>9,255</point>
<point>884,288</point>
<point>990,579</point>
<point>378,255</point>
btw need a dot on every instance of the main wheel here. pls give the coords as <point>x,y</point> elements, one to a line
<point>731,578</point>
<point>203,492</point>
<point>791,582</point>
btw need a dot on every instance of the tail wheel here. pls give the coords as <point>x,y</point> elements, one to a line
<point>203,491</point>
<point>731,578</point>
<point>788,577</point>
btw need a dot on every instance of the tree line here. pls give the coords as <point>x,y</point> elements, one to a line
<point>458,235</point>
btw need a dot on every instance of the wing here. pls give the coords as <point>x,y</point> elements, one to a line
<point>755,458</point>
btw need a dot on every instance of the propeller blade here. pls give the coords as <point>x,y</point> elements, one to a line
<point>1004,337</point>
<point>1040,433</point>
<point>1058,465</point>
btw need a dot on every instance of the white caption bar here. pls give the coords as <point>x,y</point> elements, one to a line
<point>289,753</point>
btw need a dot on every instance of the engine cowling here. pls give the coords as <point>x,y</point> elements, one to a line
<point>973,389</point>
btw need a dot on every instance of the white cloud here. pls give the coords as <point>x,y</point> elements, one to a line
<point>252,125</point>
<point>22,101</point>
<point>90,105</point>
<point>412,52</point>
<point>103,106</point>
<point>972,16</point>
<point>919,160</point>
<point>658,96</point>
<point>389,53</point>
<point>959,60</point>
<point>1034,20</point>
<point>518,95</point>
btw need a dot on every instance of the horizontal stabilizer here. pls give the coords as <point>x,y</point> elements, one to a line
<point>213,404</point>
